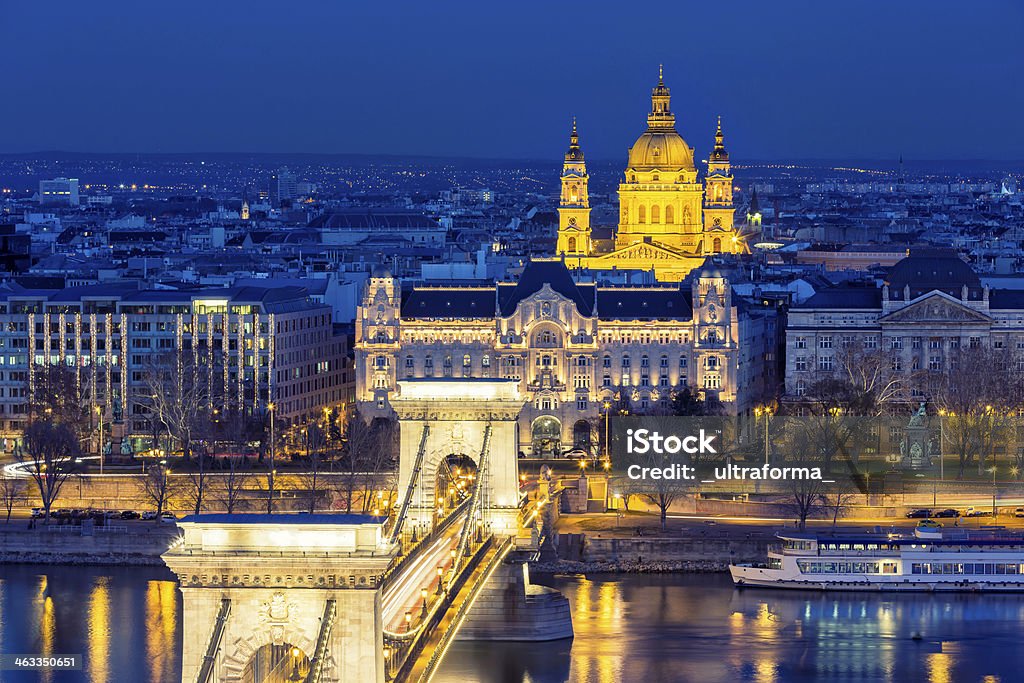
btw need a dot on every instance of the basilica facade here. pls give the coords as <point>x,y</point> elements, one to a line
<point>669,218</point>
<point>575,349</point>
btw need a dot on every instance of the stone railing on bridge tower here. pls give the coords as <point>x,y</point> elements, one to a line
<point>255,586</point>
<point>456,414</point>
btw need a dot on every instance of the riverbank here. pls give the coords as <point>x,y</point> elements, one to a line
<point>691,551</point>
<point>136,545</point>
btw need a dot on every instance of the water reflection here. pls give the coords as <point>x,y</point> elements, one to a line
<point>162,629</point>
<point>698,628</point>
<point>126,621</point>
<point>98,631</point>
<point>123,620</point>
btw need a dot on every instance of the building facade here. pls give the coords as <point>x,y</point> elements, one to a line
<point>670,219</point>
<point>575,349</point>
<point>930,308</point>
<point>247,347</point>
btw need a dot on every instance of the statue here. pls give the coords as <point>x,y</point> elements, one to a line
<point>916,446</point>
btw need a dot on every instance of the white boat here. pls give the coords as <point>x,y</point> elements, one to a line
<point>928,559</point>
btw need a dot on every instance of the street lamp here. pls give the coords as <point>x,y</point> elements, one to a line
<point>408,621</point>
<point>423,596</point>
<point>270,497</point>
<point>440,574</point>
<point>607,414</point>
<point>994,512</point>
<point>99,413</point>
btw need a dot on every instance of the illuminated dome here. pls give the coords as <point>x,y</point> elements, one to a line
<point>662,150</point>
<point>661,147</point>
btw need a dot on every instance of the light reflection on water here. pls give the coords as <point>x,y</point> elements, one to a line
<point>677,628</point>
<point>127,622</point>
<point>123,620</point>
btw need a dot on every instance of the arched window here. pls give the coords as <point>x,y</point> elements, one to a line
<point>467,361</point>
<point>669,214</point>
<point>716,246</point>
<point>641,214</point>
<point>718,193</point>
<point>574,193</point>
<point>655,214</point>
<point>572,244</point>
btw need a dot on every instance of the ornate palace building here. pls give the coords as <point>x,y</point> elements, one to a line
<point>669,219</point>
<point>929,311</point>
<point>574,348</point>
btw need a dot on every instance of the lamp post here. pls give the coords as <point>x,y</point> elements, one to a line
<point>408,621</point>
<point>607,417</point>
<point>270,496</point>
<point>423,596</point>
<point>440,576</point>
<point>767,412</point>
<point>99,413</point>
<point>994,512</point>
<point>942,444</point>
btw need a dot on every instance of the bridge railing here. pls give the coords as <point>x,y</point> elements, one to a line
<point>463,610</point>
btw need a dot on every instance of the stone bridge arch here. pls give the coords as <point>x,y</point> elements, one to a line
<point>457,414</point>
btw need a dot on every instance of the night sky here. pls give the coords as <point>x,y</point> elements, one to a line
<point>791,80</point>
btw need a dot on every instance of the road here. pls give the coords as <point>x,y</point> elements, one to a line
<point>402,593</point>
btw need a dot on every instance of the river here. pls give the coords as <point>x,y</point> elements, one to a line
<point>127,624</point>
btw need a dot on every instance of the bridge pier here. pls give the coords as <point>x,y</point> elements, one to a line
<point>510,608</point>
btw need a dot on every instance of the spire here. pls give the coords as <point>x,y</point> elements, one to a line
<point>574,152</point>
<point>719,153</point>
<point>660,116</point>
<point>755,206</point>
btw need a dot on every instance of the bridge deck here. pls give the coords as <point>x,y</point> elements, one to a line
<point>443,634</point>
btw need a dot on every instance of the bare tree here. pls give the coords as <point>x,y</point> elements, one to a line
<point>50,450</point>
<point>159,487</point>
<point>198,479</point>
<point>11,491</point>
<point>361,440</point>
<point>871,384</point>
<point>179,394</point>
<point>314,443</point>
<point>230,486</point>
<point>378,463</point>
<point>977,399</point>
<point>838,497</point>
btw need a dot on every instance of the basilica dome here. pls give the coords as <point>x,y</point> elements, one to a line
<point>661,149</point>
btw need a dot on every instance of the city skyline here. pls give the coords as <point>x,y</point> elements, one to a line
<point>875,85</point>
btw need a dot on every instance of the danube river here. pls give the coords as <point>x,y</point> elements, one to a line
<point>127,624</point>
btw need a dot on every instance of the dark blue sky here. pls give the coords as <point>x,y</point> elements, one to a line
<point>858,79</point>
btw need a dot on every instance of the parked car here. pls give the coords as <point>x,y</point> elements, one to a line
<point>169,518</point>
<point>1019,512</point>
<point>919,514</point>
<point>948,512</point>
<point>149,515</point>
<point>977,512</point>
<point>37,513</point>
<point>130,514</point>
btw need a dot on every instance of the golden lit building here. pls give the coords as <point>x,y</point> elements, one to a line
<point>669,218</point>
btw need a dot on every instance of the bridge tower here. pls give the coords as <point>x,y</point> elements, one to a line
<point>268,597</point>
<point>474,418</point>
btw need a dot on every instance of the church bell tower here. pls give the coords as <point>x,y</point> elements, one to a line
<point>719,235</point>
<point>574,205</point>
